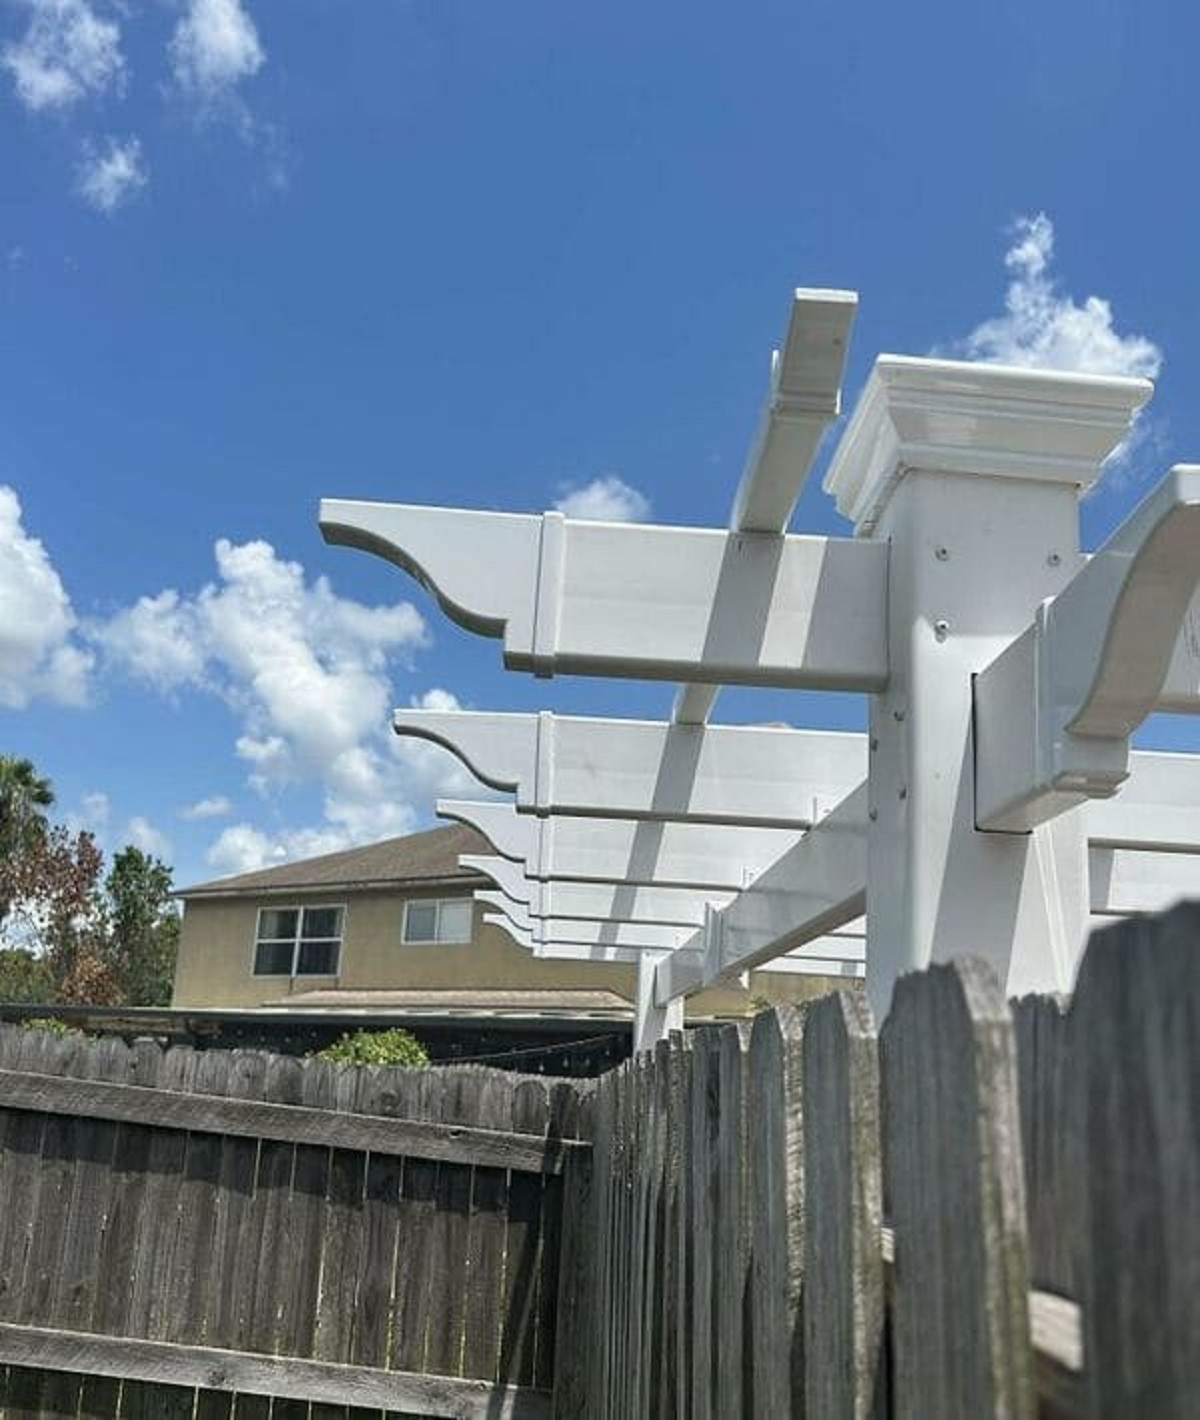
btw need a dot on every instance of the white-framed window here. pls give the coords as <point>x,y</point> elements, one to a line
<point>437,919</point>
<point>298,941</point>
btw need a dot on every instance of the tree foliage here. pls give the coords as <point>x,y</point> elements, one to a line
<point>143,927</point>
<point>377,1047</point>
<point>66,935</point>
<point>24,797</point>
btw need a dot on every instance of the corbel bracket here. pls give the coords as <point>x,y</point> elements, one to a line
<point>1055,710</point>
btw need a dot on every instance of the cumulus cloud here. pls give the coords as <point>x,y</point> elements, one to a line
<point>307,675</point>
<point>242,848</point>
<point>142,834</point>
<point>215,46</point>
<point>68,52</point>
<point>216,806</point>
<point>110,173</point>
<point>1044,326</point>
<point>41,654</point>
<point>607,499</point>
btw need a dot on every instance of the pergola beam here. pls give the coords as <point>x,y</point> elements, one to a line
<point>637,600</point>
<point>765,776</point>
<point>685,855</point>
<point>818,885</point>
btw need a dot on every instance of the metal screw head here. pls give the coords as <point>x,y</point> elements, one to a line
<point>941,629</point>
<point>1054,559</point>
<point>941,553</point>
<point>872,814</point>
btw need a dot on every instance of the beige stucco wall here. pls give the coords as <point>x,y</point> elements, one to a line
<point>216,957</point>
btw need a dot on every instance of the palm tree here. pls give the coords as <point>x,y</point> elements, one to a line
<point>24,797</point>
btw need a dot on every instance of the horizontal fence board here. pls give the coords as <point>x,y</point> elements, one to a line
<point>296,1124</point>
<point>155,1362</point>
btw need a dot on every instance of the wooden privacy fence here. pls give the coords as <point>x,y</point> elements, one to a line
<point>987,1210</point>
<point>220,1234</point>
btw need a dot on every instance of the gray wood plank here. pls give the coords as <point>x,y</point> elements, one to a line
<point>579,1262</point>
<point>1135,1057</point>
<point>235,1242</point>
<point>1051,1186</point>
<point>416,1256</point>
<point>306,1221</point>
<point>483,1325</point>
<point>843,1262</point>
<point>47,1094</point>
<point>955,1195</point>
<point>775,1151</point>
<point>706,1106</point>
<point>252,1373</point>
<point>78,1278</point>
<point>523,1282</point>
<point>371,1341</point>
<point>277,1259</point>
<point>730,1256</point>
<point>343,1233</point>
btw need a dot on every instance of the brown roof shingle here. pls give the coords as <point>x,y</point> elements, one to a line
<point>429,857</point>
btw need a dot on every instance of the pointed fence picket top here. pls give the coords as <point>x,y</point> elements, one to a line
<point>775,1151</point>
<point>954,1195</point>
<point>1135,1058</point>
<point>844,1368</point>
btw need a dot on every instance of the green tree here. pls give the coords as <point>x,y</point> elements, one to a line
<point>24,797</point>
<point>24,977</point>
<point>143,928</point>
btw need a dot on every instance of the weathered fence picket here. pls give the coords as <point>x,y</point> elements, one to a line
<point>843,1261</point>
<point>913,1206</point>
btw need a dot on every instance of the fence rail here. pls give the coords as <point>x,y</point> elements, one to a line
<point>983,1209</point>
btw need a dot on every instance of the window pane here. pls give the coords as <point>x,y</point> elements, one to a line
<point>273,959</point>
<point>420,922</point>
<point>276,922</point>
<point>317,959</point>
<point>322,922</point>
<point>455,922</point>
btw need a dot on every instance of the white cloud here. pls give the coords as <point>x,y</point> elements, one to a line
<point>142,834</point>
<point>1042,326</point>
<point>306,673</point>
<point>110,173</point>
<point>242,848</point>
<point>607,499</point>
<point>40,654</point>
<point>214,47</point>
<point>216,806</point>
<point>67,52</point>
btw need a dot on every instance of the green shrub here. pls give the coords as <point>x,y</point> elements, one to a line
<point>377,1047</point>
<point>51,1025</point>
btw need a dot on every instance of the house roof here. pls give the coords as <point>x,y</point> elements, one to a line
<point>418,859</point>
<point>534,1003</point>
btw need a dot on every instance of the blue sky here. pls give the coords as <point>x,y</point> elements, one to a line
<point>494,256</point>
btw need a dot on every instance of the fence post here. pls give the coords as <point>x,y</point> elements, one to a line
<point>972,476</point>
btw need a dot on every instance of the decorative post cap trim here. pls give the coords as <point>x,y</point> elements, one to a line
<point>955,416</point>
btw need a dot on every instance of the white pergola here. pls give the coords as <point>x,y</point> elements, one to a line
<point>993,808</point>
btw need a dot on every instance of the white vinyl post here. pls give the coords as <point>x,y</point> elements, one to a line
<point>652,1022</point>
<point>971,474</point>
